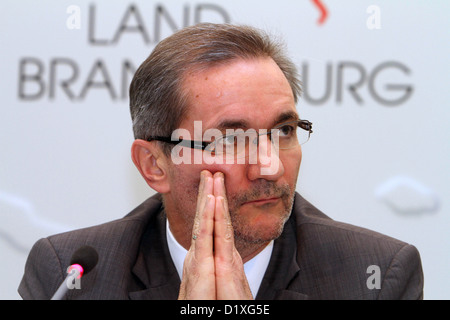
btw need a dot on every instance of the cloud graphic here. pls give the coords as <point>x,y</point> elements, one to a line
<point>407,196</point>
<point>20,225</point>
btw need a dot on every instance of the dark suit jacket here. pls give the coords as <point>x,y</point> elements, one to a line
<point>315,258</point>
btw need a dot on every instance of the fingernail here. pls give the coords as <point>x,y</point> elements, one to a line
<point>221,178</point>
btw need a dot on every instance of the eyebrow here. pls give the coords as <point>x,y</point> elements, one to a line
<point>286,116</point>
<point>243,124</point>
<point>232,124</point>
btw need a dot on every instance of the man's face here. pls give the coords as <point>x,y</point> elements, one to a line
<point>246,94</point>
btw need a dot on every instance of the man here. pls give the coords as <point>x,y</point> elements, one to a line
<point>219,138</point>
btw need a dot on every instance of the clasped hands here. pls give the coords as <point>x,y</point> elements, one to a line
<point>213,268</point>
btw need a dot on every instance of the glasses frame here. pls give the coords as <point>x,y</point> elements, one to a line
<point>194,144</point>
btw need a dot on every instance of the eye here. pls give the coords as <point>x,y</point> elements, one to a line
<point>230,139</point>
<point>211,147</point>
<point>222,144</point>
<point>286,130</point>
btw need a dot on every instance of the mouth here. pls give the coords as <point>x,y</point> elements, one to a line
<point>263,201</point>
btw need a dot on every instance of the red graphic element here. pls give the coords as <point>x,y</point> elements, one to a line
<point>323,11</point>
<point>77,267</point>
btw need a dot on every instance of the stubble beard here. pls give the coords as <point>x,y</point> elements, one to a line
<point>248,238</point>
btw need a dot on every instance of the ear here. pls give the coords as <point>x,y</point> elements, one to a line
<point>151,162</point>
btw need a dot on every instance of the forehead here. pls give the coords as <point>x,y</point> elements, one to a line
<point>252,93</point>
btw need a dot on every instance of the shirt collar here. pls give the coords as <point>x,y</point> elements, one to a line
<point>254,269</point>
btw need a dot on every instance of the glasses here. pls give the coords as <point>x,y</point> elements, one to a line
<point>238,143</point>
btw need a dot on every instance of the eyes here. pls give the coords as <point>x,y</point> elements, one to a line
<point>282,131</point>
<point>285,136</point>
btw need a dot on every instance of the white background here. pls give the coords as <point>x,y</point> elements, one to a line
<point>65,164</point>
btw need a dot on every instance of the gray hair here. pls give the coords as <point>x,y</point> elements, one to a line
<point>157,99</point>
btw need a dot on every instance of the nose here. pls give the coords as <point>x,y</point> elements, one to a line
<point>268,165</point>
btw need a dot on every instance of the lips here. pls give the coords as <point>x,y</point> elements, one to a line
<point>264,201</point>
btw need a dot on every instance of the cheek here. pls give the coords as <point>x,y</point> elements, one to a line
<point>235,176</point>
<point>291,162</point>
<point>185,176</point>
<point>184,184</point>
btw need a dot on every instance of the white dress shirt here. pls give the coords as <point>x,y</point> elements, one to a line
<point>254,269</point>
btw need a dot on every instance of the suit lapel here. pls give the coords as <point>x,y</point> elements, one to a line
<point>154,267</point>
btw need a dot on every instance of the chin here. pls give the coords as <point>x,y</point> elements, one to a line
<point>260,227</point>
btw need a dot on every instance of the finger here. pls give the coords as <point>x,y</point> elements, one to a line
<point>223,233</point>
<point>223,228</point>
<point>202,232</point>
<point>219,189</point>
<point>205,188</point>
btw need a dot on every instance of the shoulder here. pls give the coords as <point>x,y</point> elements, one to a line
<point>345,254</point>
<point>122,232</point>
<point>116,242</point>
<point>314,223</point>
